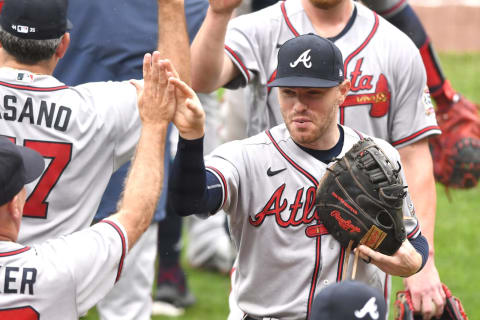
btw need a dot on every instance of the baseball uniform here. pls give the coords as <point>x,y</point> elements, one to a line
<point>85,133</point>
<point>388,97</point>
<point>270,202</point>
<point>85,265</point>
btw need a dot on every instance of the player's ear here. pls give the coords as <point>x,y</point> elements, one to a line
<point>15,208</point>
<point>343,89</point>
<point>63,46</point>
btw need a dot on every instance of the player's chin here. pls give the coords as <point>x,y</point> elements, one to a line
<point>302,136</point>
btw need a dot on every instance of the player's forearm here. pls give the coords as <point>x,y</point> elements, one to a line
<point>207,53</point>
<point>418,169</point>
<point>144,182</point>
<point>173,41</point>
<point>192,190</point>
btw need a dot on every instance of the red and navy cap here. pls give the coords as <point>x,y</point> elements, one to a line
<point>309,61</point>
<point>18,166</point>
<point>35,19</point>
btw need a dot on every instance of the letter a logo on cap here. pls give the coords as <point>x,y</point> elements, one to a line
<point>370,307</point>
<point>304,58</point>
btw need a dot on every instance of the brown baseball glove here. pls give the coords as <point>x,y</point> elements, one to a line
<point>456,152</point>
<point>404,307</point>
<point>360,199</point>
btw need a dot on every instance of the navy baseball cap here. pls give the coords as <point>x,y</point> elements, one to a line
<point>349,300</point>
<point>35,19</point>
<point>18,166</point>
<point>309,61</point>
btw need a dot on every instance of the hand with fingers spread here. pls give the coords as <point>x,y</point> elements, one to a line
<point>189,115</point>
<point>156,99</point>
<point>428,296</point>
<point>404,263</point>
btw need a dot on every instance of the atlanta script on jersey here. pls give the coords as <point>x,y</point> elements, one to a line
<point>387,98</point>
<point>270,201</point>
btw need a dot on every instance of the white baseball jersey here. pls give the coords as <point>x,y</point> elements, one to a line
<point>62,278</point>
<point>285,254</point>
<point>84,133</point>
<point>388,98</point>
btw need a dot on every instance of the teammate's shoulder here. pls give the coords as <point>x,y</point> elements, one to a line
<point>102,85</point>
<point>386,32</point>
<point>104,91</point>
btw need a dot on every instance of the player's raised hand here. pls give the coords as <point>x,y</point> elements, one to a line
<point>404,263</point>
<point>189,116</point>
<point>224,6</point>
<point>156,99</point>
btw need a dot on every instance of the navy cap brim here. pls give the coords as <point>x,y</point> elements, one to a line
<point>303,82</point>
<point>33,163</point>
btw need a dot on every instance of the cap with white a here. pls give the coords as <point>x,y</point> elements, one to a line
<point>309,61</point>
<point>349,300</point>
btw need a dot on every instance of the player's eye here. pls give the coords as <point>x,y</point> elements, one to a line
<point>287,92</point>
<point>316,92</point>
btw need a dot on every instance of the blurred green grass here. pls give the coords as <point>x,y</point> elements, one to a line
<point>456,236</point>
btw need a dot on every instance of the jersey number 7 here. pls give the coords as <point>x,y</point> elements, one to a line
<point>60,154</point>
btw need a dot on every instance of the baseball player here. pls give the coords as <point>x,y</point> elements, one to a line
<point>270,198</point>
<point>388,96</point>
<point>63,277</point>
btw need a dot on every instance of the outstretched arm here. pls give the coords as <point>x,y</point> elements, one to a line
<point>173,41</point>
<point>156,105</point>
<point>211,66</point>
<point>194,197</point>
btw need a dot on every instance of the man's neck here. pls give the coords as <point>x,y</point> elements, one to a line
<point>329,22</point>
<point>43,67</point>
<point>8,228</point>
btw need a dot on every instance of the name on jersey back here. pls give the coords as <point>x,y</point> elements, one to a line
<point>47,114</point>
<point>17,280</point>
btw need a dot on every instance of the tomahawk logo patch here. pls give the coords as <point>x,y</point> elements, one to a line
<point>304,58</point>
<point>370,308</point>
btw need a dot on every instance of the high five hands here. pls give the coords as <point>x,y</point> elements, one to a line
<point>189,116</point>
